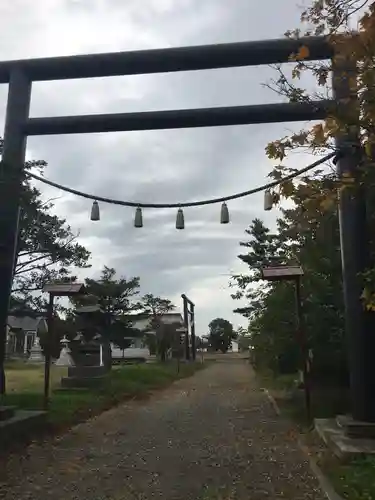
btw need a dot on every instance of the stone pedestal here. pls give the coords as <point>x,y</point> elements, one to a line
<point>88,369</point>
<point>84,376</point>
<point>18,425</point>
<point>355,428</point>
<point>36,353</point>
<point>346,437</point>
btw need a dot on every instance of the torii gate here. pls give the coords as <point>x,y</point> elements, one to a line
<point>18,125</point>
<point>189,322</point>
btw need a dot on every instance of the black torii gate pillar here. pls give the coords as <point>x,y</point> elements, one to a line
<point>189,320</point>
<point>18,125</point>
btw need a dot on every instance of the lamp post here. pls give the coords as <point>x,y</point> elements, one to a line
<point>294,273</point>
<point>55,290</point>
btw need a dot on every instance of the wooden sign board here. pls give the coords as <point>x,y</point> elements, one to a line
<point>278,273</point>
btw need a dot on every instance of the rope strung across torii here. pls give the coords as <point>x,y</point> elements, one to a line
<point>138,222</point>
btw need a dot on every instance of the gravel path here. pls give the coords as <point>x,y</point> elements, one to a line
<point>212,436</point>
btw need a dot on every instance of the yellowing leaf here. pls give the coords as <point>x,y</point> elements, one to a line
<point>318,133</point>
<point>275,150</point>
<point>271,150</point>
<point>331,126</point>
<point>303,53</point>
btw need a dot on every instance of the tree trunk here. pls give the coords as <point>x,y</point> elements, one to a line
<point>163,357</point>
<point>2,381</point>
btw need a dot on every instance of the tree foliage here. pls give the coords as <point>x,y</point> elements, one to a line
<point>261,250</point>
<point>354,115</point>
<point>156,307</point>
<point>244,339</point>
<point>116,297</point>
<point>272,311</point>
<point>308,232</point>
<point>221,334</point>
<point>47,248</point>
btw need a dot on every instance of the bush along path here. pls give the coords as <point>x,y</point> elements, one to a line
<point>213,435</point>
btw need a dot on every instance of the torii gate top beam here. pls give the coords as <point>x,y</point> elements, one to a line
<point>200,57</point>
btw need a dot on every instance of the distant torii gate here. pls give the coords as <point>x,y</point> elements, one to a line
<point>18,125</point>
<point>189,320</point>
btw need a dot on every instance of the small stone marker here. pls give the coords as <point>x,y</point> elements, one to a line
<point>36,353</point>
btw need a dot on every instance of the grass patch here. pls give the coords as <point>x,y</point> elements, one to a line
<point>354,480</point>
<point>280,383</point>
<point>326,402</point>
<point>68,407</point>
<point>25,377</point>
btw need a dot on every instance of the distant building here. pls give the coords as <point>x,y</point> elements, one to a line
<point>21,333</point>
<point>143,322</point>
<point>138,349</point>
<point>234,346</point>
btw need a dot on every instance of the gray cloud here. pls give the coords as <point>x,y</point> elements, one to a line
<point>155,166</point>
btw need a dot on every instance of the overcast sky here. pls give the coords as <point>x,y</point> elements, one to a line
<point>155,166</point>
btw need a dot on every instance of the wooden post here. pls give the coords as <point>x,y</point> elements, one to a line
<point>301,335</point>
<point>47,357</point>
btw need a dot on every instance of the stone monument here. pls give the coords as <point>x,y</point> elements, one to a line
<point>90,352</point>
<point>88,368</point>
<point>36,353</point>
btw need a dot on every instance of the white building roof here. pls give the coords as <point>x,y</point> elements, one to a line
<point>26,323</point>
<point>143,323</point>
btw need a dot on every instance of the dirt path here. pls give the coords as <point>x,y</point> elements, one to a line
<point>213,436</point>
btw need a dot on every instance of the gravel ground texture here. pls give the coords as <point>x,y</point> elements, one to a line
<point>212,436</point>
